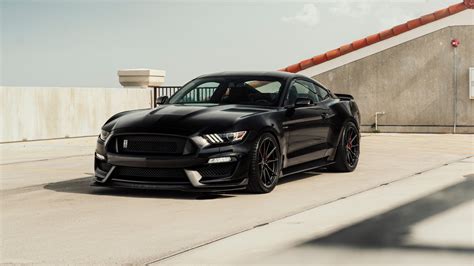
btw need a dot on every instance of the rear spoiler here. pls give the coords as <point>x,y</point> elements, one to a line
<point>346,97</point>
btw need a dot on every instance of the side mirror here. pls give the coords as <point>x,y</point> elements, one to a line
<point>161,100</point>
<point>301,102</point>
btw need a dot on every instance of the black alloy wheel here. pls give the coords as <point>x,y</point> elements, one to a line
<point>265,165</point>
<point>351,144</point>
<point>348,150</point>
<point>267,162</point>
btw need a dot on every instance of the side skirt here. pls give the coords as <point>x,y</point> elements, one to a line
<point>306,166</point>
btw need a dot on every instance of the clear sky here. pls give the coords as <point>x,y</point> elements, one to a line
<point>84,43</point>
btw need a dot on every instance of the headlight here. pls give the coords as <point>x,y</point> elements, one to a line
<point>104,134</point>
<point>225,138</point>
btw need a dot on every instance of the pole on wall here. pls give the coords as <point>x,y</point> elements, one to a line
<point>455,43</point>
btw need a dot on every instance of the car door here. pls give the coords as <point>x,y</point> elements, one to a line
<point>327,113</point>
<point>305,127</point>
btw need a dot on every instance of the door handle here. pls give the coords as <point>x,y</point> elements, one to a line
<point>324,115</point>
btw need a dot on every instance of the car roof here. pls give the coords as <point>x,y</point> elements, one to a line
<point>273,74</point>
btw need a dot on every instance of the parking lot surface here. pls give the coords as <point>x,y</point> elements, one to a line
<point>414,190</point>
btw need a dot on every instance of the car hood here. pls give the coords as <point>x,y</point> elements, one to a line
<point>185,119</point>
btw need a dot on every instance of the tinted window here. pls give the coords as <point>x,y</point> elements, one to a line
<point>230,90</point>
<point>323,94</point>
<point>201,93</point>
<point>302,89</point>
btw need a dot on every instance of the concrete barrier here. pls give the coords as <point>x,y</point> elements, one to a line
<point>33,113</point>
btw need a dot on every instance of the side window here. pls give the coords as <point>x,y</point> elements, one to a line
<point>302,89</point>
<point>323,93</point>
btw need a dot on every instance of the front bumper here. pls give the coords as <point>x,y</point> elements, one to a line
<point>184,172</point>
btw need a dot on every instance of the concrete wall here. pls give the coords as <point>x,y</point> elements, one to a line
<point>465,113</point>
<point>28,113</point>
<point>413,83</point>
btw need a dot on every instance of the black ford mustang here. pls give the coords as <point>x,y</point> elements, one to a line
<point>230,131</point>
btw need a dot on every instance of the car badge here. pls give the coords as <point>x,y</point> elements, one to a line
<point>125,143</point>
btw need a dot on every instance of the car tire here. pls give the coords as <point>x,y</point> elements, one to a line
<point>348,150</point>
<point>265,164</point>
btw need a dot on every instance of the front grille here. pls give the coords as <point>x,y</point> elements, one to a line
<point>150,175</point>
<point>152,145</point>
<point>217,170</point>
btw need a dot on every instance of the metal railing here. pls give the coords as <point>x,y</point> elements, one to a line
<point>164,91</point>
<point>200,94</point>
<point>197,95</point>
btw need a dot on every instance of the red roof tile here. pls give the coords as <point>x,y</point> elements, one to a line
<point>427,19</point>
<point>306,63</point>
<point>386,34</point>
<point>333,54</point>
<point>457,8</point>
<point>293,68</point>
<point>441,13</point>
<point>319,59</point>
<point>346,49</point>
<point>414,23</point>
<point>400,29</point>
<point>373,39</point>
<point>359,44</point>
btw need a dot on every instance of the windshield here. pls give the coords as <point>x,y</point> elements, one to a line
<point>230,90</point>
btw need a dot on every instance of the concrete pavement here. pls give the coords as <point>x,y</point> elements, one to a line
<point>308,237</point>
<point>41,162</point>
<point>51,215</point>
